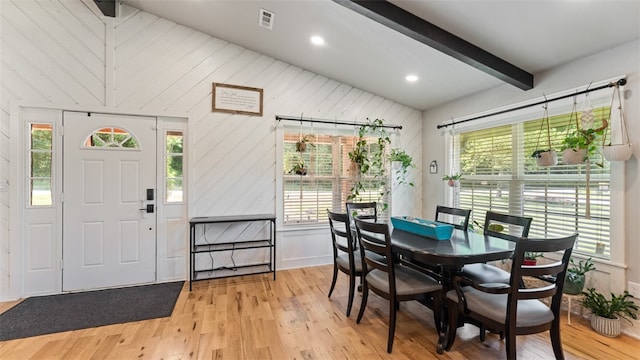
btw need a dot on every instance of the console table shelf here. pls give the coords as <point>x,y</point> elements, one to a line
<point>238,243</point>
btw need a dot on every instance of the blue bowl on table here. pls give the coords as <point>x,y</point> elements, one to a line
<point>432,229</point>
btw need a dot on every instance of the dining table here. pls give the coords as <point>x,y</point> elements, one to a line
<point>447,257</point>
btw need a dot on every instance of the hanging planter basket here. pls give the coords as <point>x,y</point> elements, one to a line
<point>546,157</point>
<point>623,150</point>
<point>619,152</point>
<point>574,156</point>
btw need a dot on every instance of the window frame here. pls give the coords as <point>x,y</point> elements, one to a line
<point>617,168</point>
<point>322,129</point>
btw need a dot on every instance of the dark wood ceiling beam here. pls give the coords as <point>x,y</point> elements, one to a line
<point>425,32</point>
<point>108,7</point>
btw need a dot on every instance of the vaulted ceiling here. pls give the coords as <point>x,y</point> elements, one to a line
<point>367,49</point>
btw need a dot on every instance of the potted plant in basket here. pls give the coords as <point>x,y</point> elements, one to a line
<point>546,157</point>
<point>401,161</point>
<point>580,145</point>
<point>574,280</point>
<point>452,179</point>
<point>298,169</point>
<point>606,314</point>
<point>301,145</point>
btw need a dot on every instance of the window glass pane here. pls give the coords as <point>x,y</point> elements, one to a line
<point>41,164</point>
<point>41,137</point>
<point>174,189</point>
<point>111,138</point>
<point>328,181</point>
<point>41,192</point>
<point>174,167</point>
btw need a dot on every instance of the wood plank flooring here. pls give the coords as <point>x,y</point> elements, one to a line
<point>254,317</point>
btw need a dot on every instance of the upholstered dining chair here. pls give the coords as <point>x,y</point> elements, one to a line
<point>510,309</point>
<point>459,218</point>
<point>390,280</point>
<point>345,257</point>
<point>504,226</point>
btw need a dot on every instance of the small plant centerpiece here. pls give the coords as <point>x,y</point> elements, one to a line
<point>402,162</point>
<point>606,313</point>
<point>452,180</point>
<point>370,159</point>
<point>531,258</point>
<point>575,278</point>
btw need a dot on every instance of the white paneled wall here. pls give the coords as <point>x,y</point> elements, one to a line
<point>60,52</point>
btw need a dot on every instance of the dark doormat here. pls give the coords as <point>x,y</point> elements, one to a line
<point>56,313</point>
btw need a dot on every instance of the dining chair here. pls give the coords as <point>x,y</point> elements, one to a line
<point>504,226</point>
<point>390,280</point>
<point>345,256</point>
<point>459,218</point>
<point>364,210</point>
<point>510,309</point>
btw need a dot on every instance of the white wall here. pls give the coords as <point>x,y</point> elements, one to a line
<point>622,60</point>
<point>62,53</point>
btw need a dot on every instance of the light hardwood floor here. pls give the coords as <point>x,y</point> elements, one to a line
<point>254,317</point>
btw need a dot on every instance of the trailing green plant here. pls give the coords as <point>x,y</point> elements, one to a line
<point>619,306</point>
<point>370,159</point>
<point>406,162</point>
<point>585,139</point>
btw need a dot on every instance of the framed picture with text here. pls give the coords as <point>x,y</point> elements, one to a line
<point>237,99</point>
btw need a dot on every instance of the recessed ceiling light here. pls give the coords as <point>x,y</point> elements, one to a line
<point>317,40</point>
<point>411,78</point>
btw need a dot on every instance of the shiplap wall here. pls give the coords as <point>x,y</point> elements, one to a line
<point>61,52</point>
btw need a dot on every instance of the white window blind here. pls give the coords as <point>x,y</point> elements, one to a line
<point>499,174</point>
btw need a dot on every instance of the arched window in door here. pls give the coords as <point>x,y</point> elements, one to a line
<point>111,138</point>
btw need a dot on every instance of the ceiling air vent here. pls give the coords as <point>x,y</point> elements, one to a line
<point>265,19</point>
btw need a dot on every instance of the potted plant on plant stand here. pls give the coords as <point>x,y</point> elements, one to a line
<point>606,314</point>
<point>574,280</point>
<point>452,180</point>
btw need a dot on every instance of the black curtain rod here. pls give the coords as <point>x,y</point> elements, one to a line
<point>620,82</point>
<point>334,122</point>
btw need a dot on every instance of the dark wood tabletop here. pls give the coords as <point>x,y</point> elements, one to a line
<point>462,248</point>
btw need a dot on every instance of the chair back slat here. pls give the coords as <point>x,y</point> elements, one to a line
<point>459,218</point>
<point>375,240</point>
<point>364,210</point>
<point>513,226</point>
<point>341,234</point>
<point>556,270</point>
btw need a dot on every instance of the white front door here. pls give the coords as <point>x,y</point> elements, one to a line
<point>109,166</point>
